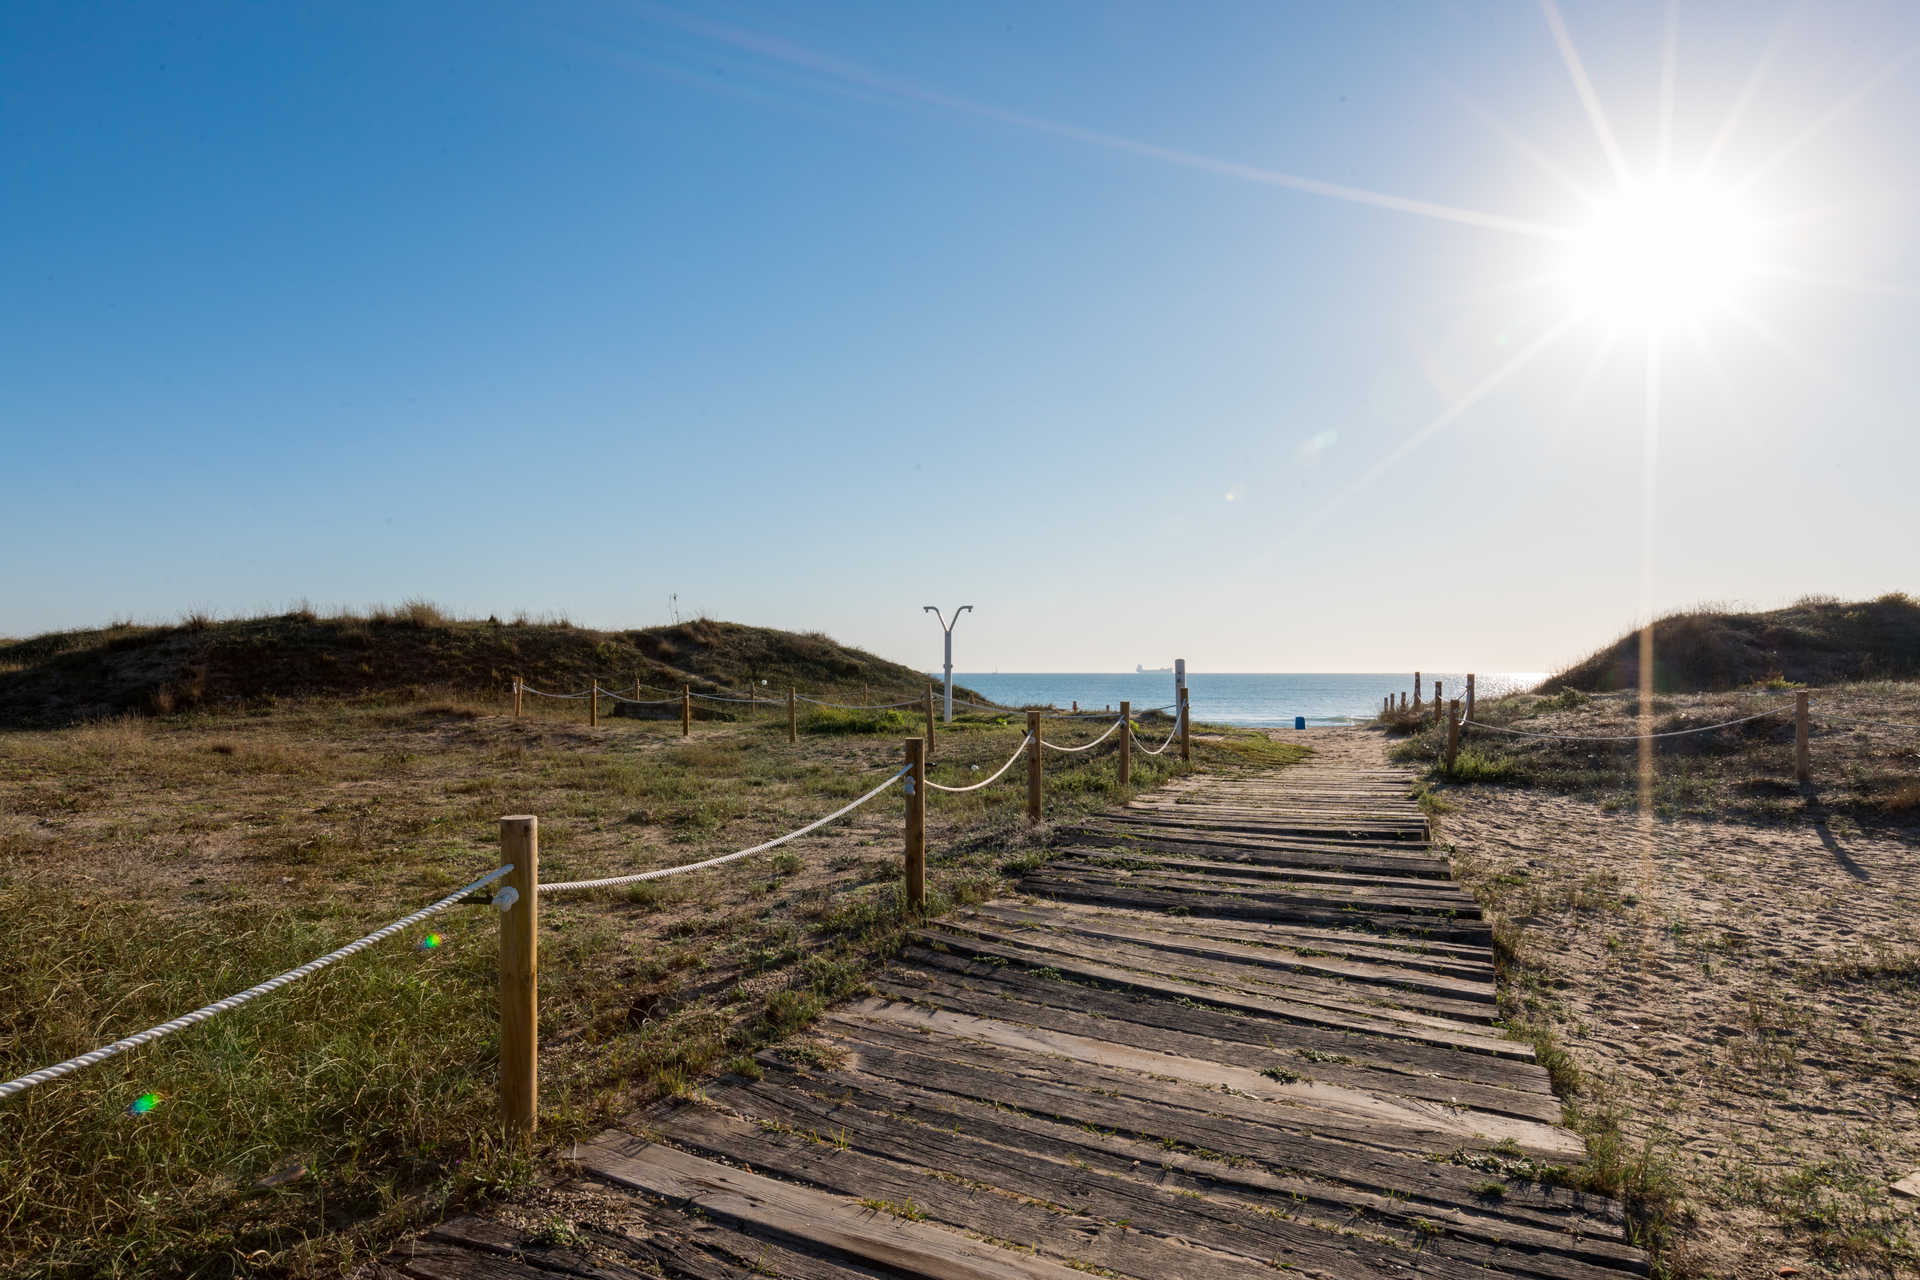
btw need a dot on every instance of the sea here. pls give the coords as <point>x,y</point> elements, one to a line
<point>1253,699</point>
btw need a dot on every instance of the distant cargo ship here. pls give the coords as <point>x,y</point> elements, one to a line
<point>1151,671</point>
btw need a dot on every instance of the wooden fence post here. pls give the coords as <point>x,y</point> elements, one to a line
<point>1403,699</point>
<point>518,685</point>
<point>1802,765</point>
<point>520,978</point>
<point>686,709</point>
<point>1186,724</point>
<point>1033,766</point>
<point>593,704</point>
<point>793,718</point>
<point>916,860</point>
<point>929,722</point>
<point>1436,704</point>
<point>1453,733</point>
<point>1126,744</point>
<point>1416,691</point>
<point>1469,695</point>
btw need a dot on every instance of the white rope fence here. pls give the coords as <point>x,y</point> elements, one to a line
<point>542,693</point>
<point>639,702</point>
<point>199,1015</point>
<point>859,706</point>
<point>984,781</point>
<point>1054,746</point>
<point>1620,737</point>
<point>607,882</point>
<point>1171,735</point>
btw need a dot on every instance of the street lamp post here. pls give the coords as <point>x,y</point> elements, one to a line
<point>947,628</point>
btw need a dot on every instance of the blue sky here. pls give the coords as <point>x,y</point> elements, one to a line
<point>1079,313</point>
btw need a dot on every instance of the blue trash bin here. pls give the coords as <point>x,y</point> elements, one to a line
<point>1299,722</point>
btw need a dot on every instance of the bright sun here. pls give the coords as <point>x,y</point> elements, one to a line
<point>1663,254</point>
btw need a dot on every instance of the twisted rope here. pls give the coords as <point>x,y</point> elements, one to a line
<point>199,1015</point>
<point>1620,737</point>
<point>859,706</point>
<point>1171,734</point>
<point>541,693</point>
<point>638,702</point>
<point>996,773</point>
<point>1054,746</point>
<point>604,882</point>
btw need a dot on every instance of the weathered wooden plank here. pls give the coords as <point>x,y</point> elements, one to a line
<point>1122,929</point>
<point>1472,962</point>
<point>1267,852</point>
<point>1451,1036</point>
<point>1116,891</point>
<point>1336,992</point>
<point>1336,893</point>
<point>1231,1023</point>
<point>812,1219</point>
<point>997,1002</point>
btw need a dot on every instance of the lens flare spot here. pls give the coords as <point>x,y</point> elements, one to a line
<point>429,943</point>
<point>143,1104</point>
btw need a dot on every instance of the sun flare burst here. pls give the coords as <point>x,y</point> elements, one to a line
<point>1663,254</point>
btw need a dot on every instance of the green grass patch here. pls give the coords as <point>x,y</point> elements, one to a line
<point>832,720</point>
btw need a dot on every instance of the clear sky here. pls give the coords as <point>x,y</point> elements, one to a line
<point>1278,337</point>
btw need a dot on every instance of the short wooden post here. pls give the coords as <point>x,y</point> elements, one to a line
<point>1186,724</point>
<point>518,685</point>
<point>1126,744</point>
<point>1453,732</point>
<point>793,717</point>
<point>1469,695</point>
<point>1033,766</point>
<point>1403,699</point>
<point>520,978</point>
<point>1802,764</point>
<point>1436,704</point>
<point>1416,691</point>
<point>929,722</point>
<point>686,710</point>
<point>916,824</point>
<point>593,704</point>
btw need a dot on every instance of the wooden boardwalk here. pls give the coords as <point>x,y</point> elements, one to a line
<point>1242,1025</point>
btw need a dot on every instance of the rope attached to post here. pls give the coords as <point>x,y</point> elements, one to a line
<point>984,781</point>
<point>1620,737</point>
<point>605,882</point>
<point>638,702</point>
<point>201,1014</point>
<point>1054,746</point>
<point>541,693</point>
<point>1171,735</point>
